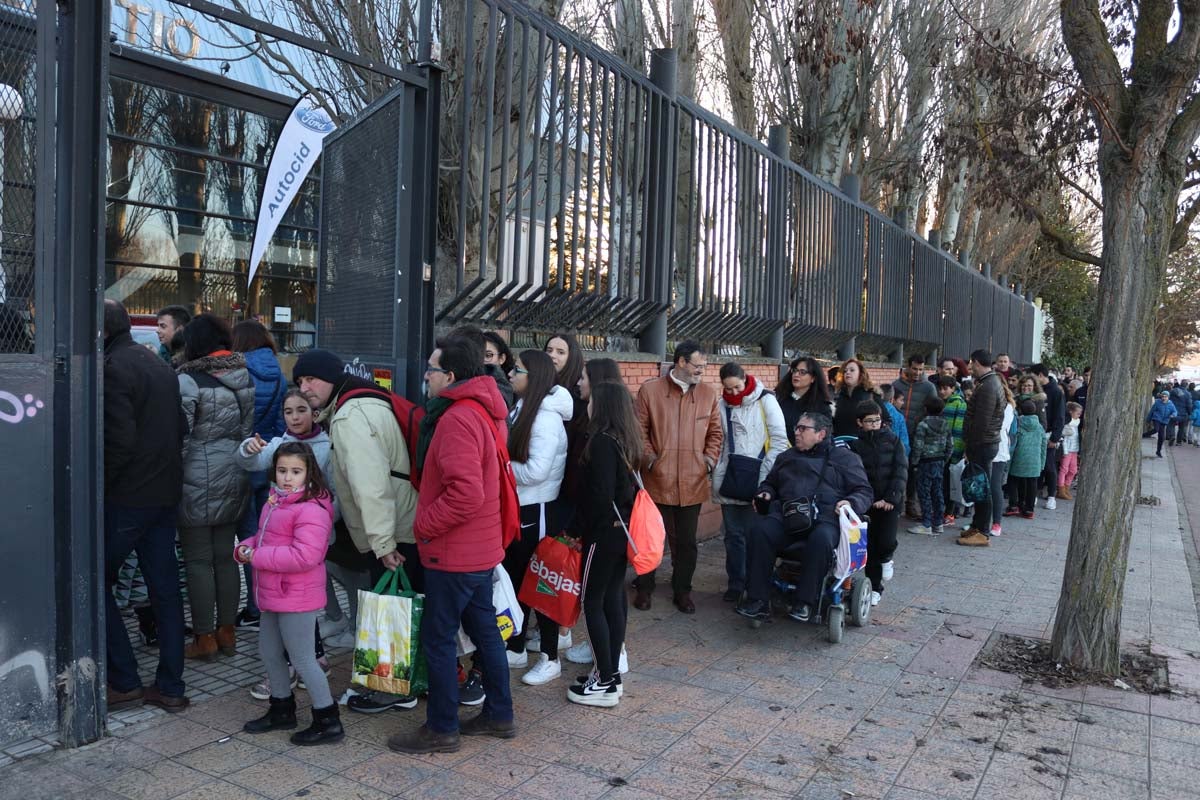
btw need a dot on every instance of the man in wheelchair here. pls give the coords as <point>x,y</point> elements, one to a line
<point>799,503</point>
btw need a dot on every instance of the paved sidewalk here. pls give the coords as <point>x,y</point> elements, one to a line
<point>714,709</point>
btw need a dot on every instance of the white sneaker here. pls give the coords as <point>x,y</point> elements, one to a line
<point>520,659</point>
<point>262,689</point>
<point>582,653</point>
<point>875,598</point>
<point>345,640</point>
<point>623,662</point>
<point>1050,504</point>
<point>533,639</point>
<point>886,571</point>
<point>564,640</point>
<point>543,671</point>
<point>332,627</point>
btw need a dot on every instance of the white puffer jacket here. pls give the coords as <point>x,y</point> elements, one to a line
<point>757,416</point>
<point>539,478</point>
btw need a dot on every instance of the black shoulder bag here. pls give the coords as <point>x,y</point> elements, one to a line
<point>742,472</point>
<point>800,515</point>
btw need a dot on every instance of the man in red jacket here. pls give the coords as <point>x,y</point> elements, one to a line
<point>459,539</point>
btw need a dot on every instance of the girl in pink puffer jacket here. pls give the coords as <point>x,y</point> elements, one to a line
<point>288,555</point>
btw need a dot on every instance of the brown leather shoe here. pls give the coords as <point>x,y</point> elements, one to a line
<point>227,640</point>
<point>483,725</point>
<point>683,602</point>
<point>118,701</point>
<point>1063,493</point>
<point>974,538</point>
<point>203,647</point>
<point>423,740</point>
<point>641,600</point>
<point>172,705</point>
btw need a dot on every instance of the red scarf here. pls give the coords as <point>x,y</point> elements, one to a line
<point>736,399</point>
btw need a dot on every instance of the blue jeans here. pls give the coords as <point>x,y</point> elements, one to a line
<point>151,533</point>
<point>929,490</point>
<point>738,520</point>
<point>452,598</point>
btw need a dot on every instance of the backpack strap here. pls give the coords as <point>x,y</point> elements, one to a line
<point>384,396</point>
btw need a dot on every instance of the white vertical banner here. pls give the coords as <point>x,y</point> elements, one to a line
<point>297,149</point>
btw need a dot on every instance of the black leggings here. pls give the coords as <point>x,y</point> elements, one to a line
<point>605,605</point>
<point>516,564</point>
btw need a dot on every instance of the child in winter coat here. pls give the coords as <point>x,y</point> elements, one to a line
<point>1068,468</point>
<point>886,466</point>
<point>1162,413</point>
<point>1028,457</point>
<point>932,446</point>
<point>288,554</point>
<point>1194,432</point>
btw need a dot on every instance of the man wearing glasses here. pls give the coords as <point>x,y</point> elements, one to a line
<point>681,425</point>
<point>799,501</point>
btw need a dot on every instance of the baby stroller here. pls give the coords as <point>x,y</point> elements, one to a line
<point>846,588</point>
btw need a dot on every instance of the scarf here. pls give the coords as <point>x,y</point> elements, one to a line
<point>435,407</point>
<point>735,399</point>
<point>313,432</point>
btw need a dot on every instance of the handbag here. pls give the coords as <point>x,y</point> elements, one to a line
<point>387,644</point>
<point>800,515</point>
<point>553,582</point>
<point>976,488</point>
<point>742,473</point>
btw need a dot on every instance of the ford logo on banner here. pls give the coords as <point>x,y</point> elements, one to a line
<point>315,119</point>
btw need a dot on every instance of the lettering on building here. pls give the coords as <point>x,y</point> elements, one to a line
<point>143,25</point>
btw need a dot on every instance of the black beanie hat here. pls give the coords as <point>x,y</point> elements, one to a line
<point>321,364</point>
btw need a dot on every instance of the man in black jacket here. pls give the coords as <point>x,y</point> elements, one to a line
<point>831,477</point>
<point>143,483</point>
<point>1056,417</point>
<point>981,435</point>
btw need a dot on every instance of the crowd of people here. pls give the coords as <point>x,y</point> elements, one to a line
<point>322,482</point>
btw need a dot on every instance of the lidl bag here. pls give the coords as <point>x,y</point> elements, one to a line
<point>851,553</point>
<point>509,617</point>
<point>387,655</point>
<point>646,532</point>
<point>551,585</point>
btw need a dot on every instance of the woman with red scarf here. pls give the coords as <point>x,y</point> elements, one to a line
<point>754,432</point>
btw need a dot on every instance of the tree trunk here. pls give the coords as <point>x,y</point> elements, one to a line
<point>1138,216</point>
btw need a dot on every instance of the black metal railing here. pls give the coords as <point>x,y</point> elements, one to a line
<point>592,198</point>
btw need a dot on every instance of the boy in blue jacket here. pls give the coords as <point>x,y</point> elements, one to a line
<point>1162,413</point>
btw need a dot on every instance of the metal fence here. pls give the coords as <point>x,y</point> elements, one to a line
<point>18,175</point>
<point>590,197</point>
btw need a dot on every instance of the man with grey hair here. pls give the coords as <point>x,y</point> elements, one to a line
<point>799,501</point>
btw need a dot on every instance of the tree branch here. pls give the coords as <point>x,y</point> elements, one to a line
<point>1090,197</point>
<point>1064,246</point>
<point>1086,38</point>
<point>1183,225</point>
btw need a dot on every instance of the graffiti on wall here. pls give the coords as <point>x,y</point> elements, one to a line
<point>14,409</point>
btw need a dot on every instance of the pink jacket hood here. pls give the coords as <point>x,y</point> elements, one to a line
<point>289,553</point>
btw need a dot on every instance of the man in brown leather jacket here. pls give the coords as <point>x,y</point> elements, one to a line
<point>681,425</point>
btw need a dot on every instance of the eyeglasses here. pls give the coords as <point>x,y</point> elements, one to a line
<point>872,421</point>
<point>801,371</point>
<point>431,370</point>
<point>805,428</point>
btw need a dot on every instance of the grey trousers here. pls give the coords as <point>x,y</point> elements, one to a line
<point>212,575</point>
<point>294,632</point>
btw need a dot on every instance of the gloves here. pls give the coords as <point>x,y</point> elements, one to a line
<point>762,503</point>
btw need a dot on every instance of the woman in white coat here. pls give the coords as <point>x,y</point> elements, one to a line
<point>537,446</point>
<point>754,430</point>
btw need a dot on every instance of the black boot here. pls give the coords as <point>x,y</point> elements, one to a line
<point>280,716</point>
<point>326,728</point>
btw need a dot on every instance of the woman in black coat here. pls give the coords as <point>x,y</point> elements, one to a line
<point>853,387</point>
<point>886,466</point>
<point>803,390</point>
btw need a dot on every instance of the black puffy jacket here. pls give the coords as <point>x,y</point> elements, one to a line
<point>845,415</point>
<point>885,463</point>
<point>799,473</point>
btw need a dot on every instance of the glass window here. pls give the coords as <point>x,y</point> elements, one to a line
<point>185,178</point>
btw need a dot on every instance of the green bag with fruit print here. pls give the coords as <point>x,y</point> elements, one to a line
<point>387,643</point>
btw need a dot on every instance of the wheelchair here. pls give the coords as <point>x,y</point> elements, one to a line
<point>845,590</point>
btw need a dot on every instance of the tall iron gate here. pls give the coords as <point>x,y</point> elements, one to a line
<point>52,67</point>
<point>589,196</point>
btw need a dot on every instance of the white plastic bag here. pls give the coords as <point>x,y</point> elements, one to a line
<point>956,473</point>
<point>851,552</point>
<point>509,617</point>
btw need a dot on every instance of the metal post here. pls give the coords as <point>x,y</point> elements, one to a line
<point>778,140</point>
<point>1002,279</point>
<point>658,230</point>
<point>82,73</point>
<point>846,350</point>
<point>1019,289</point>
<point>964,258</point>
<point>851,186</point>
<point>987,270</point>
<point>935,238</point>
<point>900,218</point>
